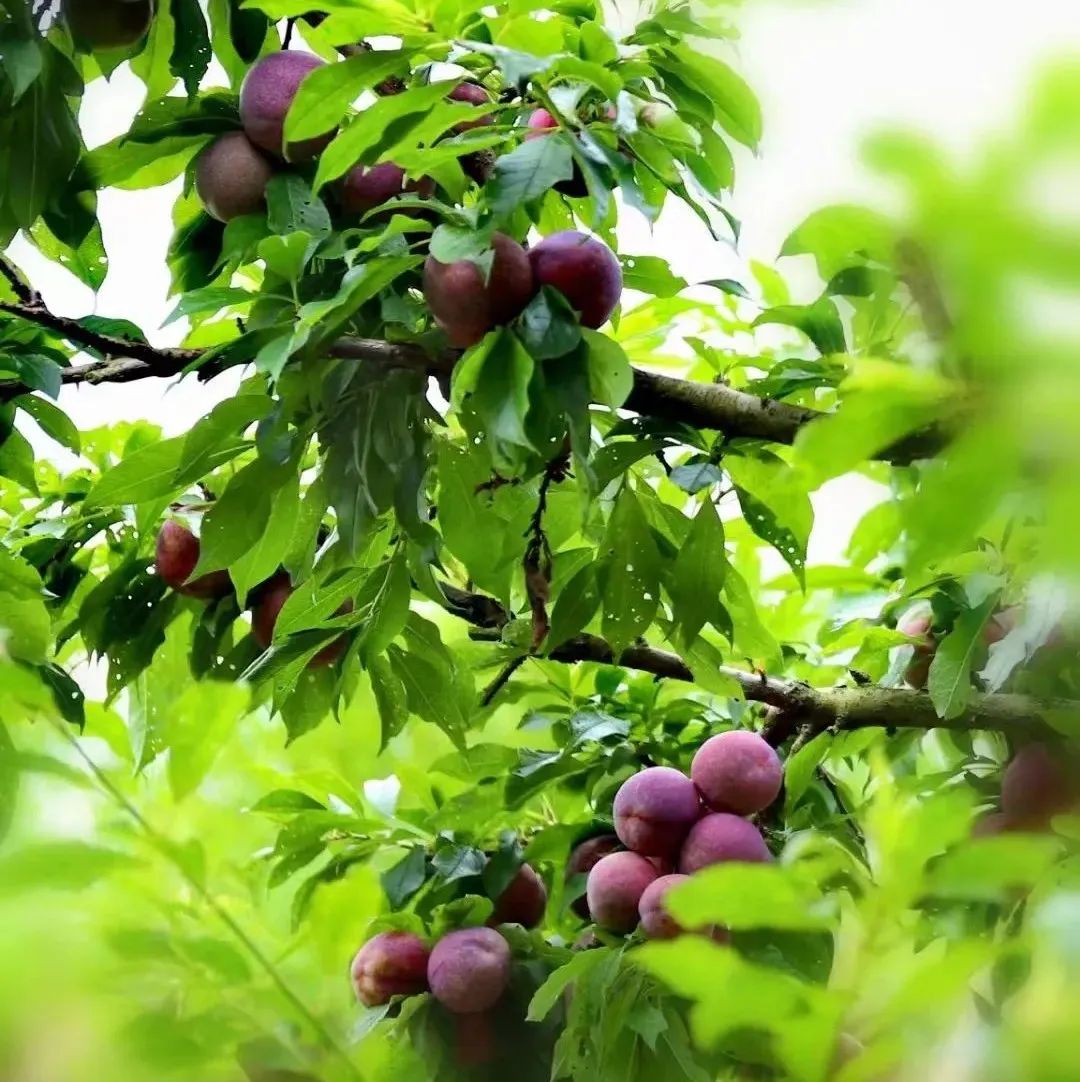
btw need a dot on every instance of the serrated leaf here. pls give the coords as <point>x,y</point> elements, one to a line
<point>630,576</point>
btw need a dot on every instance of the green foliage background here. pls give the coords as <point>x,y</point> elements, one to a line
<point>189,863</point>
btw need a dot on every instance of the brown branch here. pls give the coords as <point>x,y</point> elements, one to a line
<point>811,710</point>
<point>22,290</point>
<point>502,679</point>
<point>704,405</point>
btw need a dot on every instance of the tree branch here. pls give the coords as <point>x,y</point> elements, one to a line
<point>812,710</point>
<point>704,405</point>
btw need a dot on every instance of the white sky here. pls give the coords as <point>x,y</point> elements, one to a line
<point>826,72</point>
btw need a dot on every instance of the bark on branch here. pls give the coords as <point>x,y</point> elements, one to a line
<point>702,405</point>
<point>816,710</point>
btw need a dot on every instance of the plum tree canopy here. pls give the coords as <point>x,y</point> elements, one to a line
<point>504,514</point>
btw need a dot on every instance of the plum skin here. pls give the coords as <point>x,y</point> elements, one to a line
<point>1037,784</point>
<point>616,884</point>
<point>584,270</point>
<point>654,811</point>
<point>471,94</point>
<point>656,921</point>
<point>469,970</point>
<point>583,858</point>
<point>365,188</point>
<point>272,596</point>
<point>390,964</point>
<point>108,24</point>
<point>919,625</point>
<point>265,97</point>
<point>737,771</point>
<point>176,554</point>
<point>541,123</point>
<point>719,838</point>
<point>523,901</point>
<point>231,176</point>
<point>466,306</point>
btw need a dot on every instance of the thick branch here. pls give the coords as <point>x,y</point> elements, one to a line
<point>704,405</point>
<point>816,710</point>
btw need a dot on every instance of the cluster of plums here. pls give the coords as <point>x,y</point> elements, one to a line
<point>232,173</point>
<point>177,555</point>
<point>672,826</point>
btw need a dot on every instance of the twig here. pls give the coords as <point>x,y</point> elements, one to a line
<point>537,560</point>
<point>166,848</point>
<point>290,26</point>
<point>502,679</point>
<point>819,709</point>
<point>704,405</point>
<point>24,292</point>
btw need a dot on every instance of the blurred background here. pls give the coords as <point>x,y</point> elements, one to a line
<point>989,167</point>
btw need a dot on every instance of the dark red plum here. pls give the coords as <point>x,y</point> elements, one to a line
<point>719,838</point>
<point>616,884</point>
<point>265,98</point>
<point>584,270</point>
<point>737,772</point>
<point>469,970</point>
<point>654,811</point>
<point>391,964</point>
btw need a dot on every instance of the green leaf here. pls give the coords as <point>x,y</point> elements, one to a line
<point>191,53</point>
<point>21,57</point>
<point>650,274</point>
<point>577,603</point>
<point>630,574</point>
<point>292,207</point>
<point>326,94</point>
<point>390,699</point>
<point>697,577</point>
<point>210,299</point>
<point>405,878</point>
<point>954,661</point>
<point>430,692</point>
<point>734,104</point>
<point>387,592</point>
<point>269,552</point>
<point>832,235</point>
<point>59,866</point>
<point>239,517</point>
<point>528,173</point>
<point>551,991</point>
<point>361,140</point>
<point>610,376</point>
<point>491,387</point>
<point>17,460</point>
<point>993,869</point>
<point>820,322</point>
<point>549,326</point>
<point>197,726</point>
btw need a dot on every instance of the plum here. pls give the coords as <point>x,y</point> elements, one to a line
<point>270,600</point>
<point>363,188</point>
<point>719,838</point>
<point>108,24</point>
<point>738,772</point>
<point>523,901</point>
<point>654,811</point>
<point>1039,783</point>
<point>265,97</point>
<point>469,970</point>
<point>391,964</point>
<point>582,860</point>
<point>176,555</point>
<point>465,305</point>
<point>231,176</point>
<point>584,270</point>
<point>918,623</point>
<point>656,921</point>
<point>472,94</point>
<point>616,884</point>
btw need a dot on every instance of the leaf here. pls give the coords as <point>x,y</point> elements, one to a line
<point>694,477</point>
<point>197,726</point>
<point>527,173</point>
<point>733,102</point>
<point>21,57</point>
<point>59,866</point>
<point>610,376</point>
<point>191,54</point>
<point>551,991</point>
<point>209,299</point>
<point>455,862</point>
<point>549,326</point>
<point>993,869</point>
<point>390,698</point>
<point>820,322</point>
<point>326,93</point>
<point>362,138</point>
<point>595,725</point>
<point>430,692</point>
<point>405,878</point>
<point>832,235</point>
<point>630,573</point>
<point>292,207</point>
<point>650,274</point>
<point>577,603</point>
<point>385,596</point>
<point>17,461</point>
<point>286,801</point>
<point>491,383</point>
<point>269,551</point>
<point>954,660</point>
<point>697,576</point>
